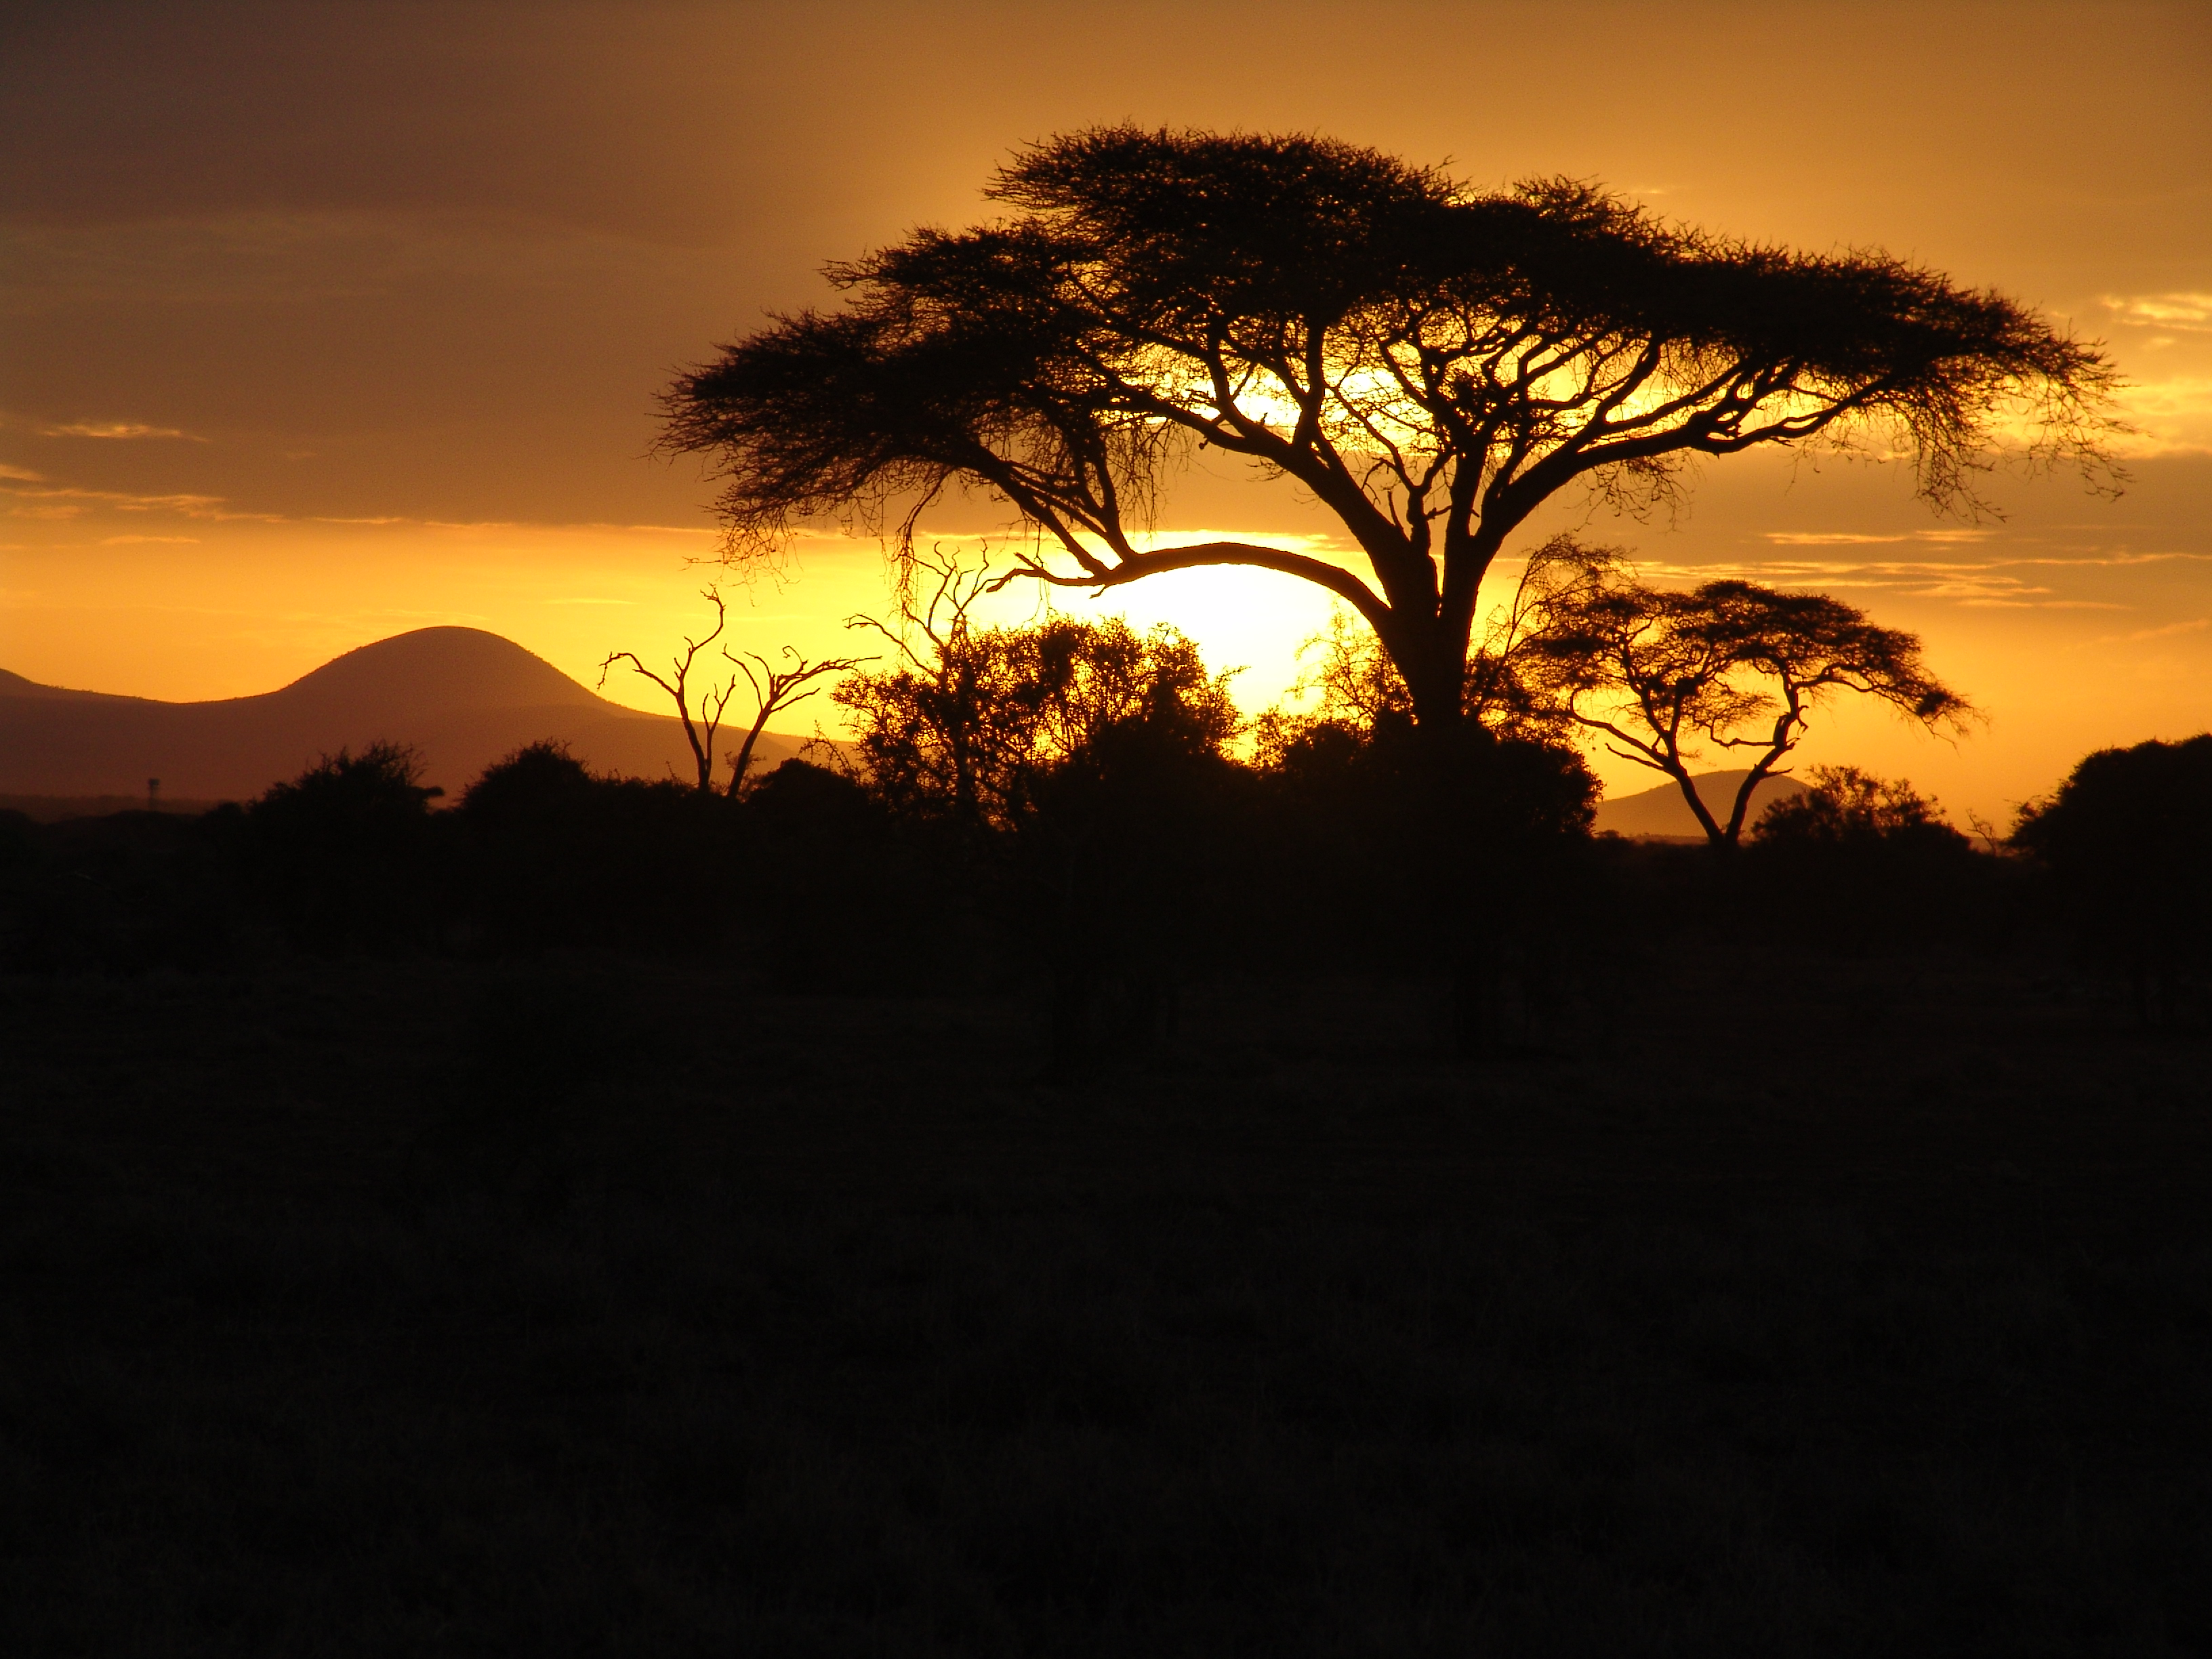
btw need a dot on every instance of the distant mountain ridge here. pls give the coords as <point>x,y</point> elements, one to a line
<point>1662,813</point>
<point>463,696</point>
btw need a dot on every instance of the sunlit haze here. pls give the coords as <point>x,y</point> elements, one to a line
<point>323,324</point>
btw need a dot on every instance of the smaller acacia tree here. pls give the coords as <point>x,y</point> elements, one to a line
<point>774,690</point>
<point>1654,671</point>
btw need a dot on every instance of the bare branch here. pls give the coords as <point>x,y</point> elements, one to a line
<point>775,690</point>
<point>699,728</point>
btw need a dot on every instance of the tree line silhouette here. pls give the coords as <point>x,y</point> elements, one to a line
<point>1429,363</point>
<point>1074,810</point>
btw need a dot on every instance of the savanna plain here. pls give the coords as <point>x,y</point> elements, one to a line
<point>1777,1299</point>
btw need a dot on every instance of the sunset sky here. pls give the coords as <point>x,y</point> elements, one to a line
<point>324,323</point>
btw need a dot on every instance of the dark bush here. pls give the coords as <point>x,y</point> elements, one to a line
<point>1115,851</point>
<point>1126,854</point>
<point>342,855</point>
<point>1385,857</point>
<point>122,893</point>
<point>2127,843</point>
<point>1403,848</point>
<point>840,892</point>
<point>974,715</point>
<point>1847,807</point>
<point>1865,864</point>
<point>551,856</point>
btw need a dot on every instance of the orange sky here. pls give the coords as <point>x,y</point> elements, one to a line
<point>320,324</point>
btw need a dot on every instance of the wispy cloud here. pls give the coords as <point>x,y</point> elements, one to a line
<point>118,430</point>
<point>1994,602</point>
<point>2163,345</point>
<point>2194,625</point>
<point>392,520</point>
<point>1909,567</point>
<point>1856,538</point>
<point>2173,398</point>
<point>2189,312</point>
<point>35,497</point>
<point>2001,584</point>
<point>131,541</point>
<point>1828,538</point>
<point>47,501</point>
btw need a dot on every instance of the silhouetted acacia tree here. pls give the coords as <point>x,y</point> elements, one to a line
<point>2126,841</point>
<point>1653,672</point>
<point>1431,362</point>
<point>773,690</point>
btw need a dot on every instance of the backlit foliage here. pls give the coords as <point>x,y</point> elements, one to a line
<point>1431,362</point>
<point>973,717</point>
<point>1665,678</point>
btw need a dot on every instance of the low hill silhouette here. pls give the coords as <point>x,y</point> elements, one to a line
<point>462,695</point>
<point>1663,814</point>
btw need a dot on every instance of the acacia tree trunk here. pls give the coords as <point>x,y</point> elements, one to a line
<point>1472,943</point>
<point>1478,921</point>
<point>1433,663</point>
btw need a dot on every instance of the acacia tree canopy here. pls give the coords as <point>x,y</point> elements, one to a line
<point>1431,363</point>
<point>1651,672</point>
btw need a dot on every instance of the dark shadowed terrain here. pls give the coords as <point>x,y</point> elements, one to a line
<point>1792,1303</point>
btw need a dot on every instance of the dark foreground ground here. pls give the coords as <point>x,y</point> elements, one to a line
<point>1824,1307</point>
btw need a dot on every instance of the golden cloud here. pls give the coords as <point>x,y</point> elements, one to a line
<point>117,429</point>
<point>2191,312</point>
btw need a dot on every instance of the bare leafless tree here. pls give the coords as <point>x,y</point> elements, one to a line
<point>774,690</point>
<point>701,724</point>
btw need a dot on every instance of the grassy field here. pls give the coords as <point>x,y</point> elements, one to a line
<point>1795,1306</point>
